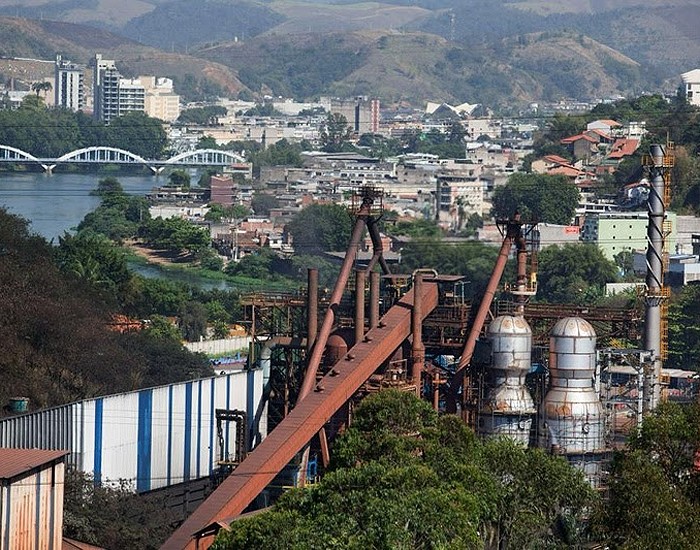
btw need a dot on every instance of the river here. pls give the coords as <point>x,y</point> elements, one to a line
<point>57,203</point>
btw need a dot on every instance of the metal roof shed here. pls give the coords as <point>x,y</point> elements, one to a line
<point>31,498</point>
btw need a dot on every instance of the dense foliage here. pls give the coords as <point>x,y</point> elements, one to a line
<point>320,227</point>
<point>473,260</point>
<point>113,517</point>
<point>58,344</point>
<point>684,328</point>
<point>50,133</point>
<point>573,274</point>
<point>654,486</point>
<point>404,477</point>
<point>537,197</point>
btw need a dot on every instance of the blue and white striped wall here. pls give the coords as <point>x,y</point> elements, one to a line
<point>153,437</point>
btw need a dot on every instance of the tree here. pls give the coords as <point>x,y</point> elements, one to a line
<point>538,197</point>
<point>193,321</point>
<point>138,133</point>
<point>179,178</point>
<point>403,477</point>
<point>573,274</point>
<point>255,266</point>
<point>175,234</point>
<point>262,203</point>
<point>335,132</point>
<point>654,485</point>
<point>42,87</point>
<point>320,227</point>
<point>93,258</point>
<point>113,517</point>
<point>624,260</point>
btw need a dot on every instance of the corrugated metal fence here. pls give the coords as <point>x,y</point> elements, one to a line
<point>153,437</point>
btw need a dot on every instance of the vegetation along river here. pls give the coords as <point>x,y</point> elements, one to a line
<point>57,203</point>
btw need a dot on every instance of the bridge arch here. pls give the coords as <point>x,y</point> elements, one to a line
<point>9,154</point>
<point>102,154</point>
<point>205,157</point>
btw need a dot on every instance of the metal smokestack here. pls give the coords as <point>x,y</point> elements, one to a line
<point>655,267</point>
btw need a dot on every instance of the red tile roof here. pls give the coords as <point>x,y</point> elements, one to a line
<point>568,171</point>
<point>14,462</point>
<point>608,122</point>
<point>600,133</point>
<point>623,147</point>
<point>577,138</point>
<point>556,159</point>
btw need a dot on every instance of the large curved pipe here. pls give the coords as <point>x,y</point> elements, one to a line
<point>512,233</point>
<point>329,318</point>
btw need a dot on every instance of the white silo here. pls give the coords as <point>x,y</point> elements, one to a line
<point>572,411</point>
<point>508,408</point>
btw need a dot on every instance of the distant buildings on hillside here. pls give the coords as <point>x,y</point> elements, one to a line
<point>112,95</point>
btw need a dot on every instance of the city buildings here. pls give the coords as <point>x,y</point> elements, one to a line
<point>116,96</point>
<point>361,113</point>
<point>105,89</point>
<point>160,99</point>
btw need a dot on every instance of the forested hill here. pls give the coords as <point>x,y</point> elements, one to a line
<point>417,66</point>
<point>57,346</point>
<point>489,51</point>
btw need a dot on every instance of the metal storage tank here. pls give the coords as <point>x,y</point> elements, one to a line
<point>508,408</point>
<point>572,411</point>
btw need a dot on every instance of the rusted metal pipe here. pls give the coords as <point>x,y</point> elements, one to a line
<point>377,247</point>
<point>512,232</point>
<point>360,278</point>
<point>418,349</point>
<point>374,280</point>
<point>275,451</point>
<point>329,317</point>
<point>311,307</point>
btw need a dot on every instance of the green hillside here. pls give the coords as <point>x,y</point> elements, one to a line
<point>419,66</point>
<point>182,24</point>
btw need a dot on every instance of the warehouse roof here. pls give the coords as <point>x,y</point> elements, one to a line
<point>14,462</point>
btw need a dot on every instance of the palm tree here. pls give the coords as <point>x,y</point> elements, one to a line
<point>43,87</point>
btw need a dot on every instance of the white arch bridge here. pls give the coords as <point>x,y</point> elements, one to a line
<point>112,155</point>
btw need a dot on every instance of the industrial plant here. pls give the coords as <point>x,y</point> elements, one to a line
<point>537,373</point>
<point>543,375</point>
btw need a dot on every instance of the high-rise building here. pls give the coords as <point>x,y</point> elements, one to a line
<point>361,113</point>
<point>131,96</point>
<point>115,96</point>
<point>105,89</point>
<point>69,89</point>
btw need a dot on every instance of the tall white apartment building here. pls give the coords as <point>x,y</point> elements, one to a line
<point>69,90</point>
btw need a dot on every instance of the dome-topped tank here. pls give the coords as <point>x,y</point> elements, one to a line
<point>511,343</point>
<point>572,411</point>
<point>508,408</point>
